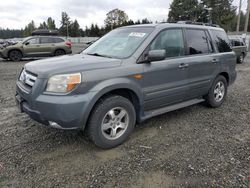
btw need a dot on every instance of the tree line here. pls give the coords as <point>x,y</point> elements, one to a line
<point>220,12</point>
<point>68,27</point>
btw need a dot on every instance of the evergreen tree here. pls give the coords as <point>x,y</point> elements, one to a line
<point>65,24</point>
<point>75,29</point>
<point>184,10</point>
<point>222,13</point>
<point>51,23</point>
<point>29,29</point>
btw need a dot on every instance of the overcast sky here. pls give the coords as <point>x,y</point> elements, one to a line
<point>15,14</point>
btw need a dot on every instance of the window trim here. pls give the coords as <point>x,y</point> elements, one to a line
<point>208,36</point>
<point>143,55</point>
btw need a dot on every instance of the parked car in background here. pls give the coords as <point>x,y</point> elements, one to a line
<point>239,47</point>
<point>129,75</point>
<point>36,46</point>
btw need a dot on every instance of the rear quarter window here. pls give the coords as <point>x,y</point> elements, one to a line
<point>58,40</point>
<point>221,41</point>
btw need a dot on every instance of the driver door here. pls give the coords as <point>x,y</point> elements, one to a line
<point>165,81</point>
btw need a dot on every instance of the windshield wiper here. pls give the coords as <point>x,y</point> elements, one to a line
<point>99,55</point>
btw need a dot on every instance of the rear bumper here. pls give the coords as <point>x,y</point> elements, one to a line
<point>69,51</point>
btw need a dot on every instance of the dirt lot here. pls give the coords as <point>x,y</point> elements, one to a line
<point>192,147</point>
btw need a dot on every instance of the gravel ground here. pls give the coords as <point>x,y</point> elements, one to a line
<point>192,147</point>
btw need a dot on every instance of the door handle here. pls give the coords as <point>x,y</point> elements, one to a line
<point>214,61</point>
<point>183,65</point>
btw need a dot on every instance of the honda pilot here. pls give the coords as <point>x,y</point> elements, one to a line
<point>131,74</point>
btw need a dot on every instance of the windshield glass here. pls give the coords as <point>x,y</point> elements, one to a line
<point>120,43</point>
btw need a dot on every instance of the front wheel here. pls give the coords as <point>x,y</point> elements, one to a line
<point>217,92</point>
<point>15,55</point>
<point>111,122</point>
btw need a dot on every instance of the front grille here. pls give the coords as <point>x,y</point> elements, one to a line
<point>28,78</point>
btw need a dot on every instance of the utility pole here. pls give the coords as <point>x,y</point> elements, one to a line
<point>238,21</point>
<point>247,16</point>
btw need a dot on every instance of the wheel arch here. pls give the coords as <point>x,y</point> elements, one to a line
<point>127,92</point>
<point>226,75</point>
<point>14,49</point>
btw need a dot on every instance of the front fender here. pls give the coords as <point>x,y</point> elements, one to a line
<point>110,85</point>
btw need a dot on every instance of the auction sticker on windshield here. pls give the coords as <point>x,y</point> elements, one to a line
<point>135,34</point>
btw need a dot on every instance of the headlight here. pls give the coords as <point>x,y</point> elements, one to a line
<point>63,83</point>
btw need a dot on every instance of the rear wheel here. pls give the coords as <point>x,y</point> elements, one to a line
<point>241,58</point>
<point>15,55</point>
<point>59,52</point>
<point>111,122</point>
<point>217,92</point>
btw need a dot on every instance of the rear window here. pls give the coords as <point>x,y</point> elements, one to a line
<point>197,42</point>
<point>221,40</point>
<point>58,40</point>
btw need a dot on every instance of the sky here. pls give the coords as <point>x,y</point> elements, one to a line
<point>15,14</point>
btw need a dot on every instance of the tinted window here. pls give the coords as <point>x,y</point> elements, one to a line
<point>33,41</point>
<point>170,40</point>
<point>45,40</point>
<point>58,40</point>
<point>197,42</point>
<point>221,41</point>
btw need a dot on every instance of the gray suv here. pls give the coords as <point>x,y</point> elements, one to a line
<point>131,74</point>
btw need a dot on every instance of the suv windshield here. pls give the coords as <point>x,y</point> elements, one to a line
<point>120,43</point>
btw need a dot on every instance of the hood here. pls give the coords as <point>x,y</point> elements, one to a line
<point>69,64</point>
<point>6,44</point>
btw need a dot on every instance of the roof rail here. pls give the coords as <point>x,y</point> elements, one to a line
<point>197,23</point>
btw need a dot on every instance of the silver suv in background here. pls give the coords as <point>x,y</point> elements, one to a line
<point>239,47</point>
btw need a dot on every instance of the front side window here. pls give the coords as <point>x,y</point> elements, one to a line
<point>171,41</point>
<point>33,41</point>
<point>197,42</point>
<point>221,40</point>
<point>119,43</point>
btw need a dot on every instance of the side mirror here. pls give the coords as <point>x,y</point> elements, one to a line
<point>27,43</point>
<point>156,55</point>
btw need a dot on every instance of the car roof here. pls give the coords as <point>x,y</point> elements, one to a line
<point>174,25</point>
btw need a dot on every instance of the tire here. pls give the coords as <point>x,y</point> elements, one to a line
<point>111,122</point>
<point>15,55</point>
<point>217,95</point>
<point>59,52</point>
<point>240,60</point>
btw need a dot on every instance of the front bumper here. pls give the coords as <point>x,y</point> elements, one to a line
<point>64,112</point>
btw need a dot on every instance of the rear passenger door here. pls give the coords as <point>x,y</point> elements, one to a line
<point>46,45</point>
<point>203,64</point>
<point>165,81</point>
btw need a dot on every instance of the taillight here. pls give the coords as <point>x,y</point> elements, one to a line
<point>68,43</point>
